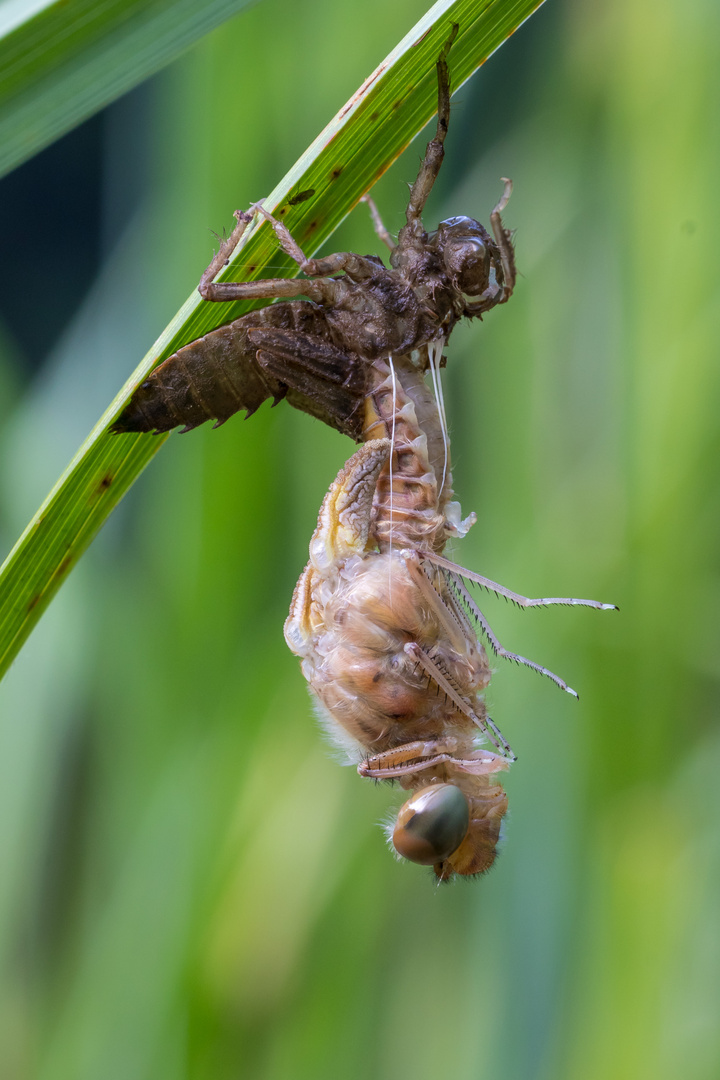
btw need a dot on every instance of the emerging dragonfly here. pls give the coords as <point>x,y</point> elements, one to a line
<point>382,621</point>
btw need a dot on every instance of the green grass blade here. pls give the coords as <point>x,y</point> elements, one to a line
<point>358,145</point>
<point>63,60</point>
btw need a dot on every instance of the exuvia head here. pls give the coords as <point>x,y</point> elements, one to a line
<point>470,256</point>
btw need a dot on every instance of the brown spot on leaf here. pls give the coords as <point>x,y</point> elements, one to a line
<point>422,37</point>
<point>362,91</point>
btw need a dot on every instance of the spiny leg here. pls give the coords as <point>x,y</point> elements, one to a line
<point>516,598</point>
<point>265,288</point>
<point>220,292</point>
<point>287,242</point>
<point>378,223</point>
<point>500,290</point>
<point>504,241</point>
<point>417,756</point>
<point>409,758</point>
<point>324,289</point>
<point>222,256</point>
<point>452,628</point>
<point>496,737</point>
<point>435,149</point>
<point>497,648</point>
<point>354,265</point>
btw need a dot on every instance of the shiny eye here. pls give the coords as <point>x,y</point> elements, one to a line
<point>432,824</point>
<point>468,263</point>
<point>473,276</point>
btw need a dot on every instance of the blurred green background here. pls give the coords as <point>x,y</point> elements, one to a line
<point>191,888</point>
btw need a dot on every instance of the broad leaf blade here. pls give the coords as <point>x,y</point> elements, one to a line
<point>358,145</point>
<point>63,60</point>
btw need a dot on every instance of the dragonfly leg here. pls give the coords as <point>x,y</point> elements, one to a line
<point>453,630</point>
<point>438,677</point>
<point>222,256</point>
<point>503,238</point>
<point>435,151</point>
<point>409,758</point>
<point>500,590</point>
<point>354,265</point>
<point>265,288</point>
<point>495,645</point>
<point>416,756</point>
<point>499,292</point>
<point>378,223</point>
<point>324,290</point>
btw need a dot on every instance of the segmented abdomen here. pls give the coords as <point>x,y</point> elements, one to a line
<point>412,502</point>
<point>282,351</point>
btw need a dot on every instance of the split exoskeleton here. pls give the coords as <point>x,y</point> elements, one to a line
<point>383,623</point>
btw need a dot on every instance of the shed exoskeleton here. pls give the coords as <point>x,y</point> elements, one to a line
<point>316,352</point>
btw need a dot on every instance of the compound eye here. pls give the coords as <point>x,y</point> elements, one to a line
<point>432,824</point>
<point>474,267</point>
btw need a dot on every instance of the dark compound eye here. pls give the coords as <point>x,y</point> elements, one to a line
<point>468,263</point>
<point>432,824</point>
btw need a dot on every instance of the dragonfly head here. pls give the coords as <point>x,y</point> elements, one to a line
<point>453,830</point>
<point>468,253</point>
<point>432,824</point>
